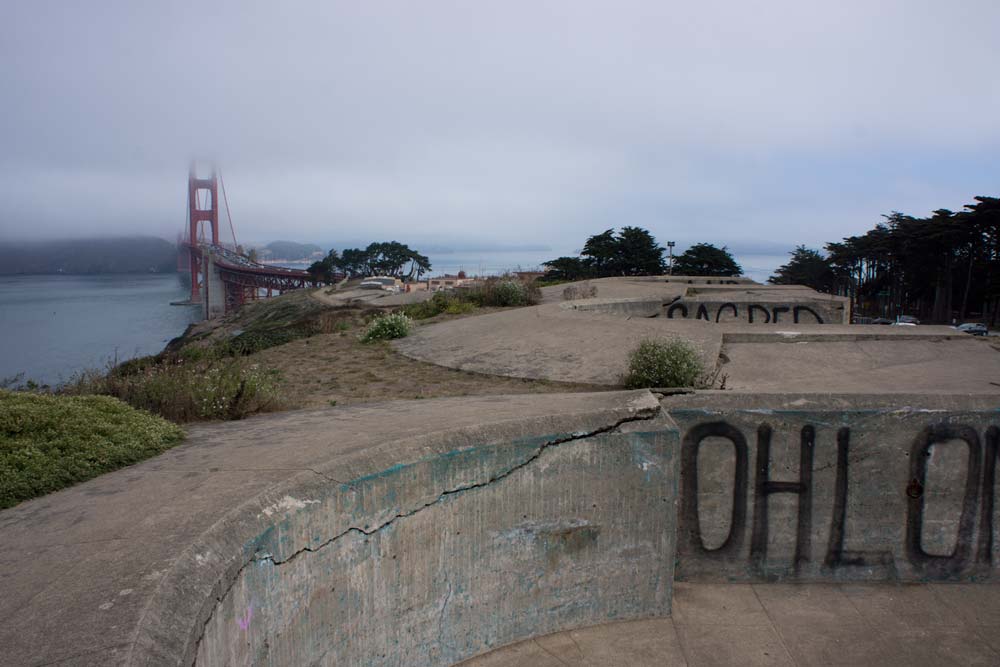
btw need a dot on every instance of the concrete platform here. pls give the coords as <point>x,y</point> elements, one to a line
<point>776,624</point>
<point>574,342</point>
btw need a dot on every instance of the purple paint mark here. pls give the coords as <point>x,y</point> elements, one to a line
<point>244,622</point>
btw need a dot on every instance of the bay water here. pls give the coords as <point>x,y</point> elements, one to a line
<point>53,326</point>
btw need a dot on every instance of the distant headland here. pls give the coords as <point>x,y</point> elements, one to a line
<point>144,254</point>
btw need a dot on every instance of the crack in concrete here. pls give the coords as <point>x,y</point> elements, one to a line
<point>459,489</point>
<point>444,609</point>
<point>641,414</point>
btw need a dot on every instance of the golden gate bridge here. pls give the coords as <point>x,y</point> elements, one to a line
<point>223,279</point>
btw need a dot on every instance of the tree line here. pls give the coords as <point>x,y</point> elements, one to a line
<point>634,252</point>
<point>387,258</point>
<point>939,268</point>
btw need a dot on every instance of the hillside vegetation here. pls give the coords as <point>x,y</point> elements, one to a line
<point>50,442</point>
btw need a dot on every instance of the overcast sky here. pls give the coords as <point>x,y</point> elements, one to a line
<point>783,121</point>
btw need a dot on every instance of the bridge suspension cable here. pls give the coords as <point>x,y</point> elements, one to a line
<point>229,215</point>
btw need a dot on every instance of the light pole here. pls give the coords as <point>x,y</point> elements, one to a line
<point>670,247</point>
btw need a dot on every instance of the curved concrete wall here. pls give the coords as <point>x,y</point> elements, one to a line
<point>409,533</point>
<point>464,550</point>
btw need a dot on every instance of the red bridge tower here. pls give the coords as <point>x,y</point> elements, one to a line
<point>203,206</point>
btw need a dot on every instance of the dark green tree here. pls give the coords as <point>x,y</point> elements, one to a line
<point>806,267</point>
<point>639,253</point>
<point>387,258</point>
<point>631,252</point>
<point>704,259</point>
<point>324,270</point>
<point>566,268</point>
<point>601,253</point>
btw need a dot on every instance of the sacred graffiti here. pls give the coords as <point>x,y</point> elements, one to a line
<point>753,312</point>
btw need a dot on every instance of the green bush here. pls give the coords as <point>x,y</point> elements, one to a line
<point>437,304</point>
<point>664,363</point>
<point>504,292</point>
<point>387,326</point>
<point>49,442</point>
<point>457,307</point>
<point>249,342</point>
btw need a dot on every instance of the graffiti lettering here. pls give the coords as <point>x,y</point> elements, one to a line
<point>754,311</point>
<point>978,490</point>
<point>799,309</point>
<point>677,306</point>
<point>736,313</point>
<point>764,487</point>
<point>691,529</point>
<point>942,566</point>
<point>989,481</point>
<point>836,555</point>
<point>752,307</point>
<point>777,311</point>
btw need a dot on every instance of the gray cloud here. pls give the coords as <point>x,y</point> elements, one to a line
<point>514,122</point>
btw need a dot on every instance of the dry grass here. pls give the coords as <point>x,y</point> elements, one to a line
<point>336,368</point>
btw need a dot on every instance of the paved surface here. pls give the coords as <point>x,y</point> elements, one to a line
<point>549,342</point>
<point>965,365</point>
<point>779,624</point>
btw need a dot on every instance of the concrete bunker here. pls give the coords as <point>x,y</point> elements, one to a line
<point>429,548</point>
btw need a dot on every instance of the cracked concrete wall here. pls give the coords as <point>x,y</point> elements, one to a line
<point>828,488</point>
<point>436,561</point>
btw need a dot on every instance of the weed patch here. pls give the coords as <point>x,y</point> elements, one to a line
<point>188,389</point>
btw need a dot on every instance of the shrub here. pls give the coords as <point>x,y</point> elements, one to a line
<point>49,442</point>
<point>388,326</point>
<point>457,307</point>
<point>183,390</point>
<point>437,304</point>
<point>664,363</point>
<point>250,342</point>
<point>504,292</point>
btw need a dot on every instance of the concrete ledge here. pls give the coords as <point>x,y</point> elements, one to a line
<point>404,533</point>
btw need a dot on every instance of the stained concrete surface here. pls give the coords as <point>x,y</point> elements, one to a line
<point>126,568</point>
<point>783,624</point>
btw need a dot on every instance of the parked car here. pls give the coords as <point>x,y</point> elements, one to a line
<point>907,319</point>
<point>973,328</point>
<point>881,320</point>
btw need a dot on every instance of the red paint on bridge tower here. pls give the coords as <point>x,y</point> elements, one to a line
<point>203,206</point>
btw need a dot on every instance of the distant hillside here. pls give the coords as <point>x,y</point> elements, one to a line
<point>288,250</point>
<point>88,256</point>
